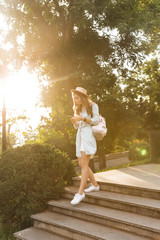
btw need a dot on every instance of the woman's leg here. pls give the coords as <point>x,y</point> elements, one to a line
<point>86,172</point>
<point>92,178</point>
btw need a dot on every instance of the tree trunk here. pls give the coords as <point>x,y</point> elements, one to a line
<point>154,140</point>
<point>4,126</point>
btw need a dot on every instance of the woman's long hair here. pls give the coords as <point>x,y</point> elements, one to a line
<point>86,102</point>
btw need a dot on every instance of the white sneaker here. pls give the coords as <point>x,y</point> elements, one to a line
<point>77,198</point>
<point>92,188</point>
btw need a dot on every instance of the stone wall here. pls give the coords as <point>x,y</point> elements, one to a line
<point>112,160</point>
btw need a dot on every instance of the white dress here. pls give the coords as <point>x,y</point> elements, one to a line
<point>85,141</point>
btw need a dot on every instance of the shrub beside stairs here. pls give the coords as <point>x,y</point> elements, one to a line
<point>117,212</point>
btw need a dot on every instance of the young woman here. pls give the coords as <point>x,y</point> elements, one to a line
<point>86,114</point>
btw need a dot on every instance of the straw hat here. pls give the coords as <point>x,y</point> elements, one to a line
<point>80,90</point>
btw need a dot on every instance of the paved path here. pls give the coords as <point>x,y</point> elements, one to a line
<point>146,176</point>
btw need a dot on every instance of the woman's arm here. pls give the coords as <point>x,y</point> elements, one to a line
<point>93,121</point>
<point>95,117</point>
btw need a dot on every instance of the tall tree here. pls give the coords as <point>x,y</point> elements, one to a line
<point>69,40</point>
<point>75,42</point>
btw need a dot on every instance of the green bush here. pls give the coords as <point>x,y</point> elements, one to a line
<point>30,176</point>
<point>139,151</point>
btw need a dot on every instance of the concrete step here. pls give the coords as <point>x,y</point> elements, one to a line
<point>130,222</point>
<point>36,234</point>
<point>144,206</point>
<point>124,188</point>
<point>78,229</point>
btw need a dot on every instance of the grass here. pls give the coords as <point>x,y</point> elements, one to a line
<point>6,232</point>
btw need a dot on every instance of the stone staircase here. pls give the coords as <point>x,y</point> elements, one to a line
<point>117,212</point>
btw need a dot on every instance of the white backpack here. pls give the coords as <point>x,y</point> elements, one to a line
<point>100,130</point>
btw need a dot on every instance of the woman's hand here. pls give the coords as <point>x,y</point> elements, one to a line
<point>76,118</point>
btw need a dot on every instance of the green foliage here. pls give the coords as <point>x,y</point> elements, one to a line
<point>139,151</point>
<point>57,130</point>
<point>14,121</point>
<point>65,38</point>
<point>141,94</point>
<point>30,176</point>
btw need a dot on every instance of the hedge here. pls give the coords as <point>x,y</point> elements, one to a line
<point>30,176</point>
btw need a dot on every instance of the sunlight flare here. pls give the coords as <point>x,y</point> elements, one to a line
<point>22,93</point>
<point>21,90</point>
